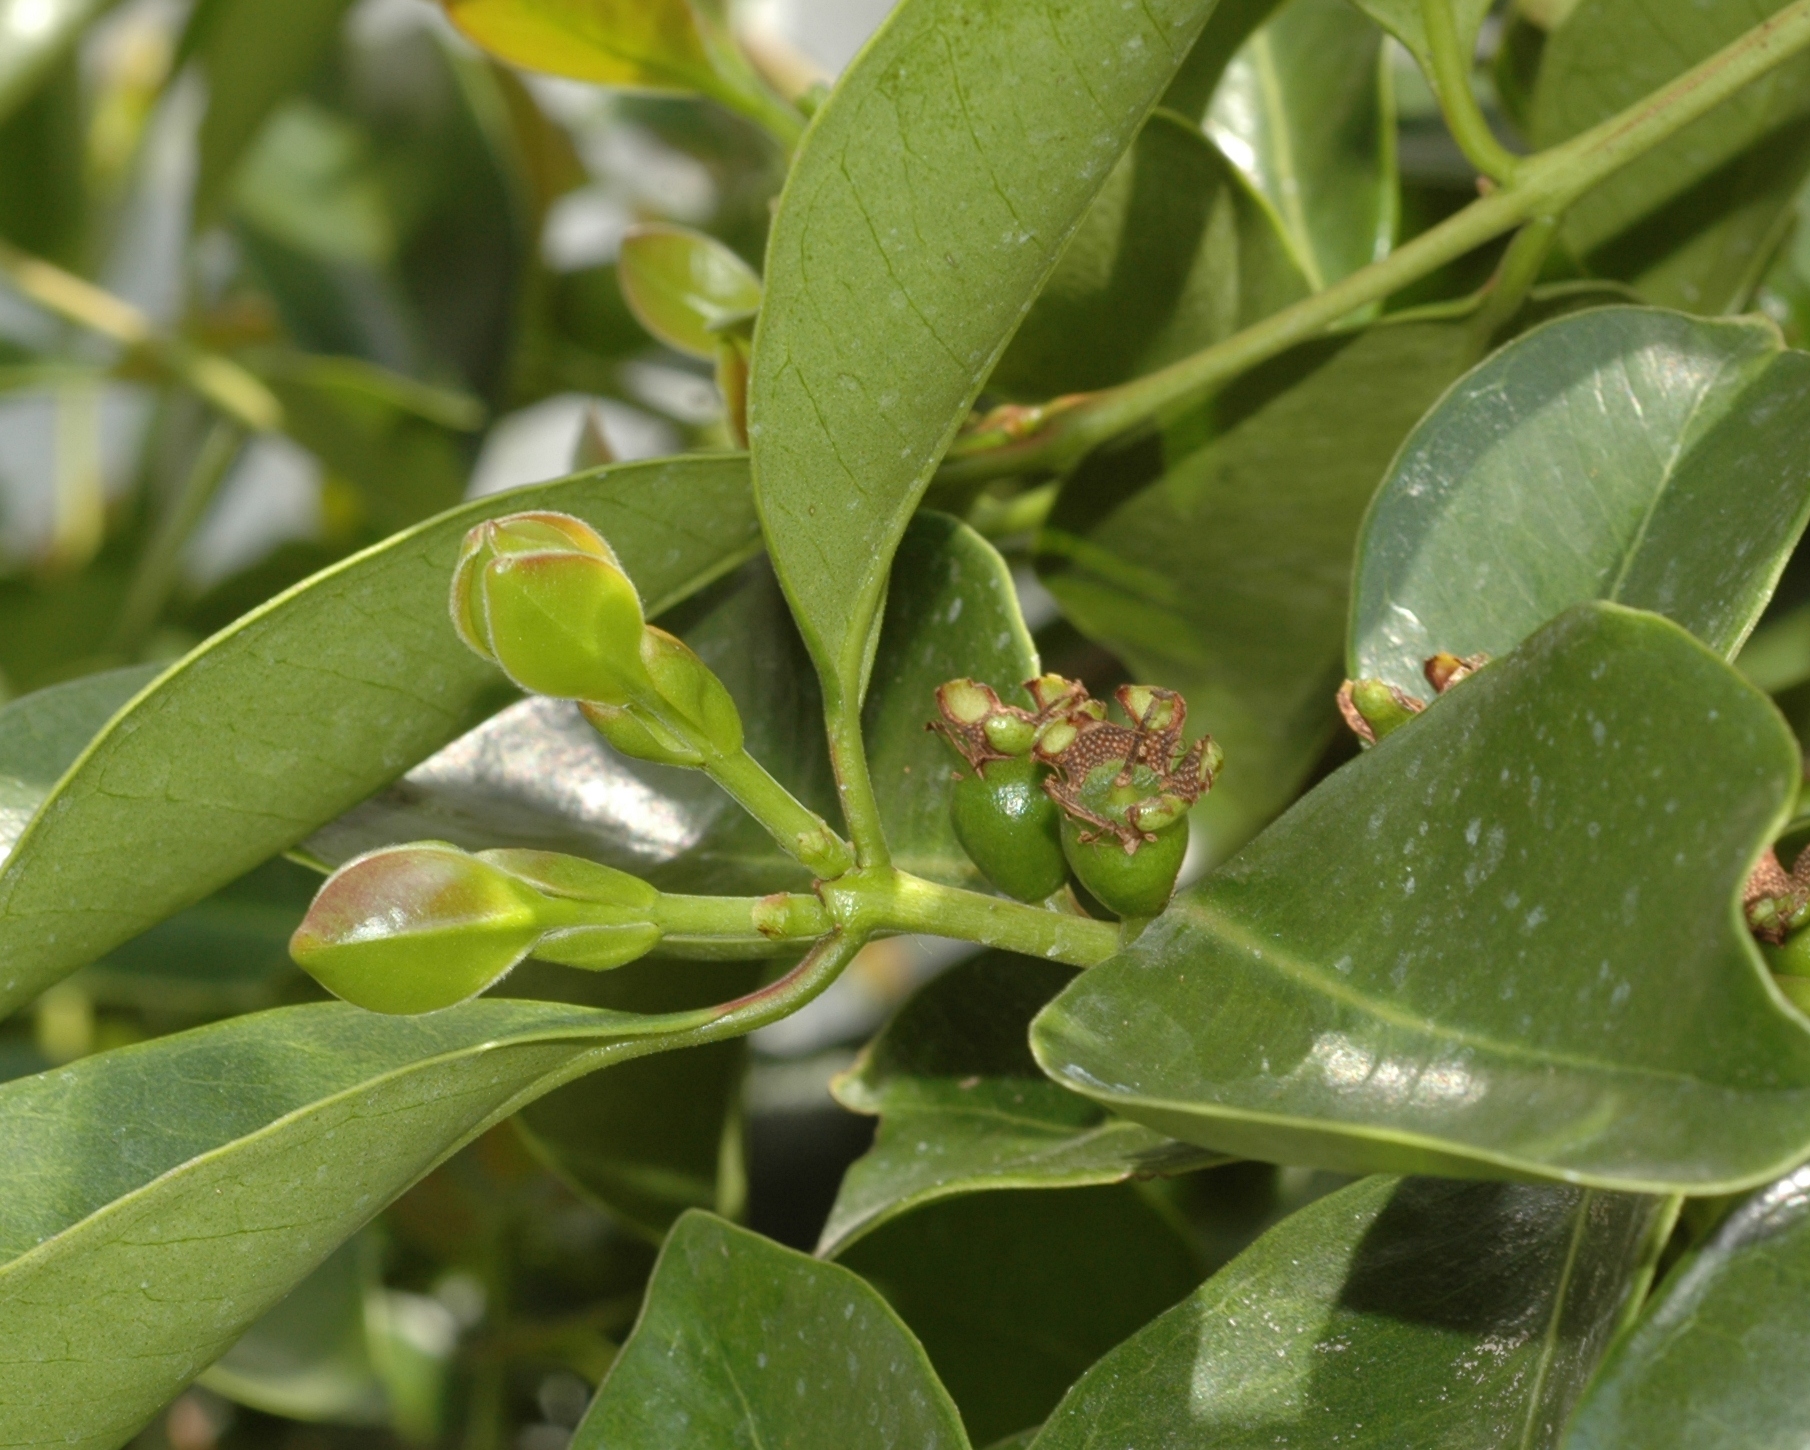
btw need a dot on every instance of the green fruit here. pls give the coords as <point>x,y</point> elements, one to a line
<point>1791,958</point>
<point>1132,884</point>
<point>1009,828</point>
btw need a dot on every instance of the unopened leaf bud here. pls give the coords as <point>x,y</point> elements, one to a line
<point>599,948</point>
<point>416,928</point>
<point>691,689</point>
<point>634,734</point>
<point>544,596</point>
<point>555,874</point>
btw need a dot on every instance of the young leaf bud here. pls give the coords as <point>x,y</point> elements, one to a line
<point>544,596</point>
<point>599,948</point>
<point>685,288</point>
<point>691,689</point>
<point>635,734</point>
<point>554,874</point>
<point>416,928</point>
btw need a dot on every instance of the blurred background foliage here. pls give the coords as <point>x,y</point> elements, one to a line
<point>404,253</point>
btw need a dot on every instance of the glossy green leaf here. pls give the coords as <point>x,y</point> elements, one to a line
<point>1175,254</point>
<point>951,612</point>
<point>917,223</point>
<point>743,1343</point>
<point>1693,222</point>
<point>310,1357</point>
<point>256,1147</point>
<point>278,724</point>
<point>1504,941</point>
<point>650,1138</point>
<point>36,35</point>
<point>1214,558</point>
<point>963,1107</point>
<point>643,45</point>
<point>1628,454</point>
<point>1713,1363</point>
<point>42,733</point>
<point>684,286</point>
<point>252,58</point>
<point>1404,20</point>
<point>1015,1294</point>
<point>1231,24</point>
<point>1394,1313</point>
<point>1304,112</point>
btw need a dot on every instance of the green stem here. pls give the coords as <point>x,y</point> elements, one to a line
<point>1544,185</point>
<point>854,786</point>
<point>229,387</point>
<point>877,901</point>
<point>1452,82</point>
<point>1515,277</point>
<point>161,561</point>
<point>800,831</point>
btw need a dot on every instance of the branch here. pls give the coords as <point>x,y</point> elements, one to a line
<point>1544,186</point>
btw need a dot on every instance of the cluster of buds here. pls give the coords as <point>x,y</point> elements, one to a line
<point>1777,901</point>
<point>983,728</point>
<point>1372,708</point>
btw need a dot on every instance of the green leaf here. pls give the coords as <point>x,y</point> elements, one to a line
<point>1395,1312</point>
<point>1175,254</point>
<point>42,733</point>
<point>1228,27</point>
<point>1403,19</point>
<point>1015,1294</point>
<point>253,1148</point>
<point>1304,112</point>
<point>964,1109</point>
<point>1504,941</point>
<point>252,58</point>
<point>1693,222</point>
<point>743,1343</point>
<point>951,612</point>
<point>275,726</point>
<point>1628,454</point>
<point>651,1138</point>
<point>642,45</point>
<point>310,1357</point>
<point>1214,557</point>
<point>1714,1362</point>
<point>684,287</point>
<point>918,221</point>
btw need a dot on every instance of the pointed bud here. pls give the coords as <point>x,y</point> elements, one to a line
<point>690,689</point>
<point>554,874</point>
<point>684,287</point>
<point>1010,734</point>
<point>416,928</point>
<point>599,948</point>
<point>544,596</point>
<point>631,733</point>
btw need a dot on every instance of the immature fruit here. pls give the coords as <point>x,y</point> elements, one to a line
<point>1009,827</point>
<point>1129,883</point>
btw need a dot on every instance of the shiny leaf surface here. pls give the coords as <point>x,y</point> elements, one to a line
<point>278,724</point>
<point>1625,454</point>
<point>1304,112</point>
<point>1395,1312</point>
<point>916,224</point>
<point>1015,1294</point>
<point>743,1343</point>
<point>1503,941</point>
<point>1175,254</point>
<point>1692,223</point>
<point>963,1107</point>
<point>252,1149</point>
<point>1713,1362</point>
